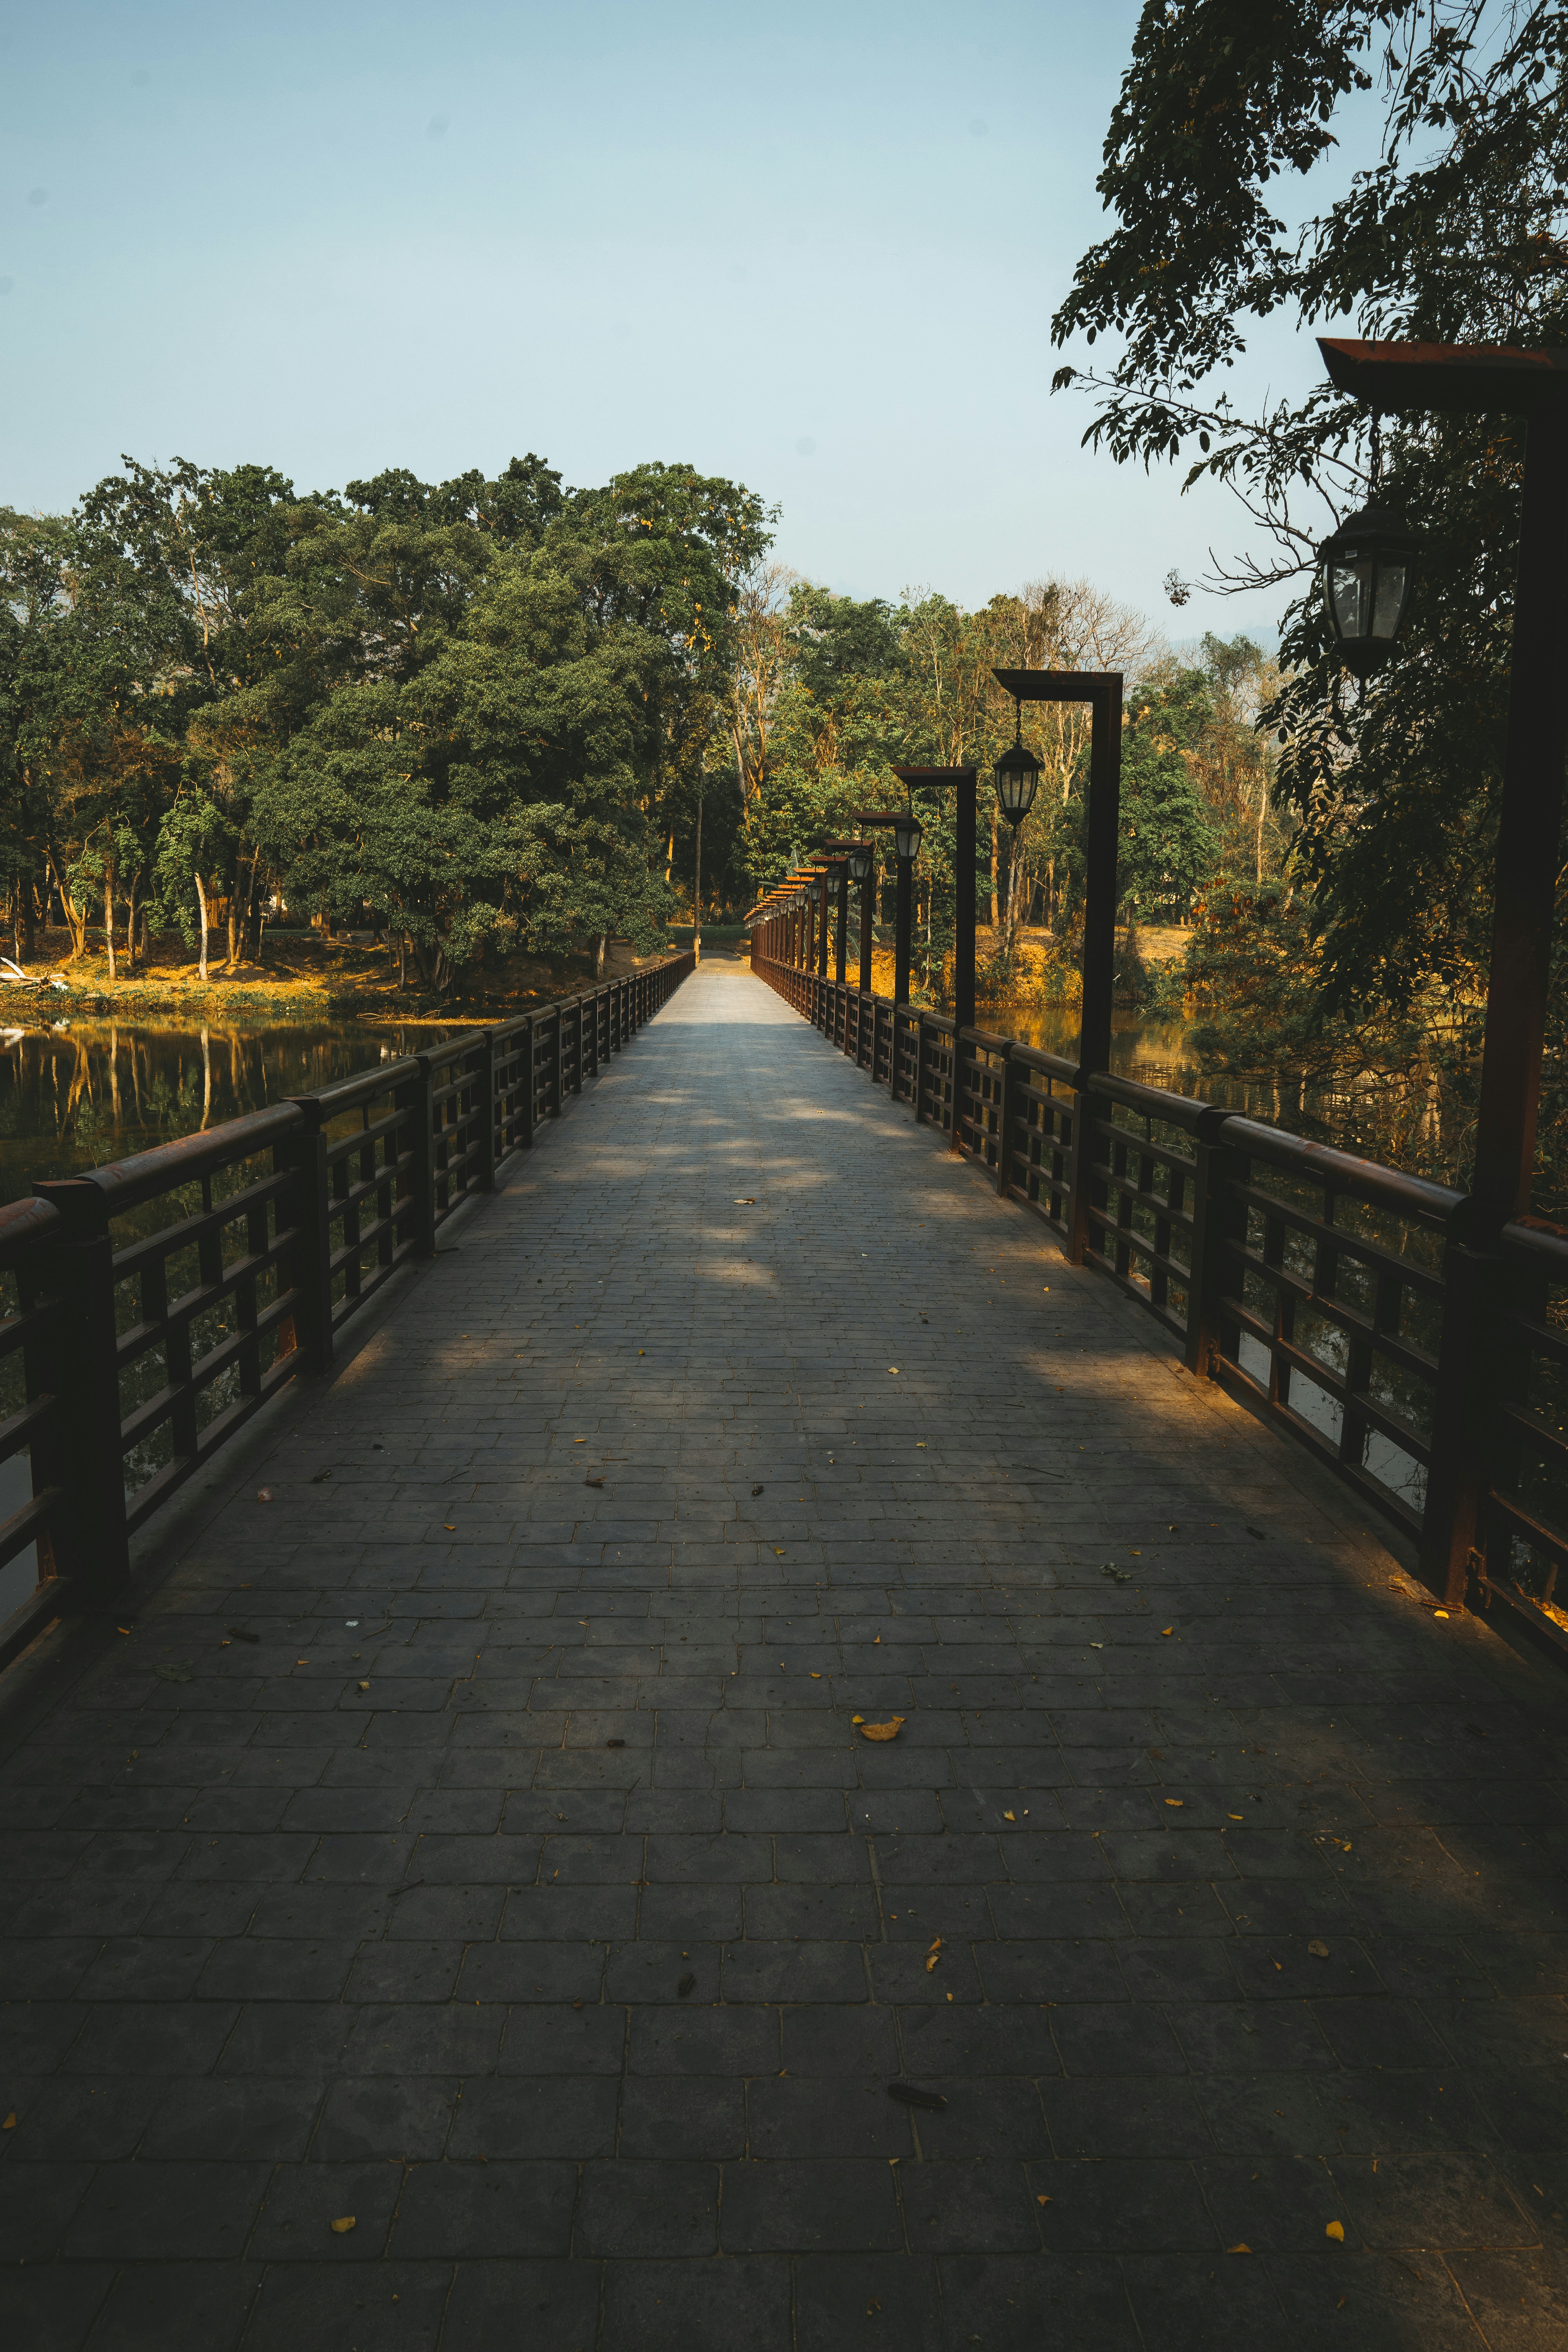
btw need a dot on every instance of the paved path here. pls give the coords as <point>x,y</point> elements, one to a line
<point>512,1879</point>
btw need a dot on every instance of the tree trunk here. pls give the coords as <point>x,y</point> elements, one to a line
<point>26,895</point>
<point>697,893</point>
<point>108,916</point>
<point>131,931</point>
<point>600,944</point>
<point>202,904</point>
<point>994,912</point>
<point>75,923</point>
<point>253,911</point>
<point>401,956</point>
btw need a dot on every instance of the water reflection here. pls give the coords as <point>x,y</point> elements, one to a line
<point>86,1092</point>
<point>1161,1053</point>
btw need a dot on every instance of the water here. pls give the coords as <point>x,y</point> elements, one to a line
<point>83,1092</point>
<point>1152,1053</point>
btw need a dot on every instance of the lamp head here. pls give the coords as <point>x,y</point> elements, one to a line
<point>1368,567</point>
<point>906,837</point>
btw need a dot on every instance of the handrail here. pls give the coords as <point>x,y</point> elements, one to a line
<point>1379,1339</point>
<point>141,1352</point>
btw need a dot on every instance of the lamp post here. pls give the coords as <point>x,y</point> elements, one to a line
<point>1471,379</point>
<point>1101,689</point>
<point>906,831</point>
<point>862,872</point>
<point>816,932</point>
<point>965,781</point>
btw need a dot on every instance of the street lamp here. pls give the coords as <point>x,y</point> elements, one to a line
<point>1368,566</point>
<point>906,837</point>
<point>860,861</point>
<point>1018,778</point>
<point>1478,380</point>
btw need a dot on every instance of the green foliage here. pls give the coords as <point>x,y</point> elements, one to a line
<point>469,708</point>
<point>1456,233</point>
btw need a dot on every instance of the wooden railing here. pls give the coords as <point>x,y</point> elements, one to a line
<point>149,1308</point>
<point>1335,1297</point>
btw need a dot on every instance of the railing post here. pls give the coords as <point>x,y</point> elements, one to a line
<point>485,1098</point>
<point>1470,1378</point>
<point>417,1096</point>
<point>95,1543</point>
<point>920,1067</point>
<point>1087,1108</point>
<point>1213,1223</point>
<point>304,1154</point>
<point>1005,1124</point>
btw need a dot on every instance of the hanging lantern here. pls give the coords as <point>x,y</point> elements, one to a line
<point>860,861</point>
<point>907,835</point>
<point>814,892</point>
<point>835,884</point>
<point>1018,777</point>
<point>1368,568</point>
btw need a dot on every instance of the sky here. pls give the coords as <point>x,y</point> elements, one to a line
<point>815,250</point>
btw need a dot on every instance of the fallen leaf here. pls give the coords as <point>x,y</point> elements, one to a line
<point>1439,1612</point>
<point>593,1482</point>
<point>686,1984</point>
<point>910,2095</point>
<point>1237,1817</point>
<point>756,1490</point>
<point>264,1494</point>
<point>857,1718</point>
<point>1238,2250</point>
<point>364,1686</point>
<point>1336,2230</point>
<point>1165,1631</point>
<point>931,1962</point>
<point>816,1677</point>
<point>615,1743</point>
<point>343,2225</point>
<point>894,1369</point>
<point>10,2122</point>
<point>122,1629</point>
<point>1007,1816</point>
<point>1318,1949</point>
<point>889,1730</point>
<point>1175,1800</point>
<point>1042,2200</point>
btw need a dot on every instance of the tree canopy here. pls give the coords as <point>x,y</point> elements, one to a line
<point>470,709</point>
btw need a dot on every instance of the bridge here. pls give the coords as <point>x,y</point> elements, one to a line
<point>693,1735</point>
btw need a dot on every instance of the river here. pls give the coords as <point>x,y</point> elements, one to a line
<point>78,1093</point>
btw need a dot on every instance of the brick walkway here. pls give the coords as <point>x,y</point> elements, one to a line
<point>511,1877</point>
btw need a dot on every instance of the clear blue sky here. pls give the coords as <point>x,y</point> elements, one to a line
<point>814,249</point>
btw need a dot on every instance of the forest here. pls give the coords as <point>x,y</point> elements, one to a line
<point>490,714</point>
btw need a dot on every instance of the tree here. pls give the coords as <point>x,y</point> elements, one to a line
<point>1456,233</point>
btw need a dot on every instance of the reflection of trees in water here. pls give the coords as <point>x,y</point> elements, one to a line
<point>103,1089</point>
<point>1403,1117</point>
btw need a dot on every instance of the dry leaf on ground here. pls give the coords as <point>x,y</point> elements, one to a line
<point>342,2226</point>
<point>1335,2230</point>
<point>889,1730</point>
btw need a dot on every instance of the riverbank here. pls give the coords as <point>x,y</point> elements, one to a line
<point>301,976</point>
